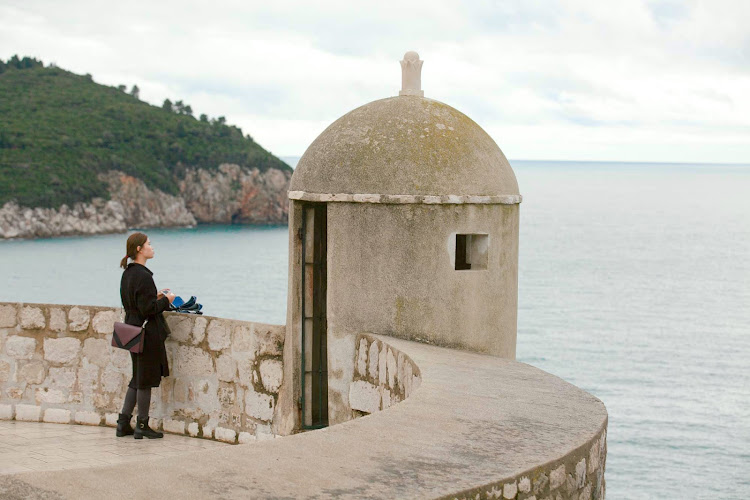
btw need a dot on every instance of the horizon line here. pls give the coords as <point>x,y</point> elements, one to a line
<point>638,162</point>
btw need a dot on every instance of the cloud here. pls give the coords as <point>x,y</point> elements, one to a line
<point>635,79</point>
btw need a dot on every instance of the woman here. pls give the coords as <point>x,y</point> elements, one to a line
<point>142,303</point>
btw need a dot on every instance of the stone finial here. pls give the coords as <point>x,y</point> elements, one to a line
<point>411,75</point>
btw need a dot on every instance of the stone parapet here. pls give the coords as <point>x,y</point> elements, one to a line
<point>478,427</point>
<point>57,365</point>
<point>383,376</point>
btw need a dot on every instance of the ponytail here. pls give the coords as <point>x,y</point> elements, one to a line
<point>135,240</point>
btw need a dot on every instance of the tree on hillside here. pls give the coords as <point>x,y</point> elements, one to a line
<point>167,105</point>
<point>25,63</point>
<point>121,88</point>
<point>135,92</point>
<point>204,117</point>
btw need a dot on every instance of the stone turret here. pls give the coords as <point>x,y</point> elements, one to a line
<point>403,222</point>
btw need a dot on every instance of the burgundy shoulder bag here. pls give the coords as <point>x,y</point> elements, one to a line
<point>129,337</point>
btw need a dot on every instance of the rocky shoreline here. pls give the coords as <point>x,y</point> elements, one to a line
<point>230,195</point>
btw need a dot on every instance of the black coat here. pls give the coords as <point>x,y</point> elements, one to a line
<point>138,294</point>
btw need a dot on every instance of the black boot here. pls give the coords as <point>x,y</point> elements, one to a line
<point>142,430</point>
<point>123,425</point>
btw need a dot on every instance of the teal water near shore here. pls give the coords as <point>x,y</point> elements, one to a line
<point>634,285</point>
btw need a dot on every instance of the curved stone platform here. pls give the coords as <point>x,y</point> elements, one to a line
<point>477,427</point>
<point>35,446</point>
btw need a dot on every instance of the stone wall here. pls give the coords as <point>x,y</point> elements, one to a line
<point>579,475</point>
<point>57,365</point>
<point>383,376</point>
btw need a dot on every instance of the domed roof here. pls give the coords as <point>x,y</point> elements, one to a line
<point>405,145</point>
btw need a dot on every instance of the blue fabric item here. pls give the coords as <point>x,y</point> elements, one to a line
<point>189,302</point>
<point>177,302</point>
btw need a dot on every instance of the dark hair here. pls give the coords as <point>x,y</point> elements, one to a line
<point>135,240</point>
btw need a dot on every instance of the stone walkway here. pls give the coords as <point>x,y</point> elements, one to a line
<point>31,446</point>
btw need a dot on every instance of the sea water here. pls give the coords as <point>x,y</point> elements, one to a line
<point>634,284</point>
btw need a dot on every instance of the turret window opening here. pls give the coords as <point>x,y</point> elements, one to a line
<point>471,252</point>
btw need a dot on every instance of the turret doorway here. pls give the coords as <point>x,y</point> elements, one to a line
<point>314,346</point>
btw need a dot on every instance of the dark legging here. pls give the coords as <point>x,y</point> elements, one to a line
<point>142,397</point>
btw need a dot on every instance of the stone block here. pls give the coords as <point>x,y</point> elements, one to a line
<point>32,318</point>
<point>6,412</point>
<point>174,426</point>
<point>28,413</point>
<point>110,419</point>
<point>243,339</point>
<point>581,473</point>
<point>259,406</point>
<point>246,369</point>
<point>192,361</point>
<point>219,335</point>
<point>181,326</point>
<point>364,396</point>
<point>226,435</point>
<point>154,423</point>
<point>7,316</point>
<point>269,339</point>
<point>373,362</point>
<point>524,485</point>
<point>199,330</point>
<point>78,319</point>
<point>88,377</point>
<point>180,390</point>
<point>50,396</point>
<point>385,397</point>
<point>392,367</point>
<point>245,438</point>
<point>510,490</point>
<point>4,371</point>
<point>557,478</point>
<point>87,418</point>
<point>121,360</point>
<point>204,394</point>
<point>271,373</point>
<point>104,322</point>
<point>57,320</point>
<point>14,392</point>
<point>226,368</point>
<point>540,484</point>
<point>20,347</point>
<point>97,351</point>
<point>208,431</point>
<point>63,350</point>
<point>400,371</point>
<point>56,416</point>
<point>227,396</point>
<point>586,492</point>
<point>594,457</point>
<point>408,376</point>
<point>101,401</point>
<point>166,390</point>
<point>263,432</point>
<point>112,380</point>
<point>361,363</point>
<point>382,372</point>
<point>61,378</point>
<point>193,429</point>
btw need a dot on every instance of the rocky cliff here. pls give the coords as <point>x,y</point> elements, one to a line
<point>231,195</point>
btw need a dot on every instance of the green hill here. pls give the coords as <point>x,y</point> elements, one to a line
<point>58,130</point>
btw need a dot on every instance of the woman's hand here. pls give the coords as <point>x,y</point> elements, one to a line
<point>170,296</point>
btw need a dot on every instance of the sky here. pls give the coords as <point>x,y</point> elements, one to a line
<point>625,80</point>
